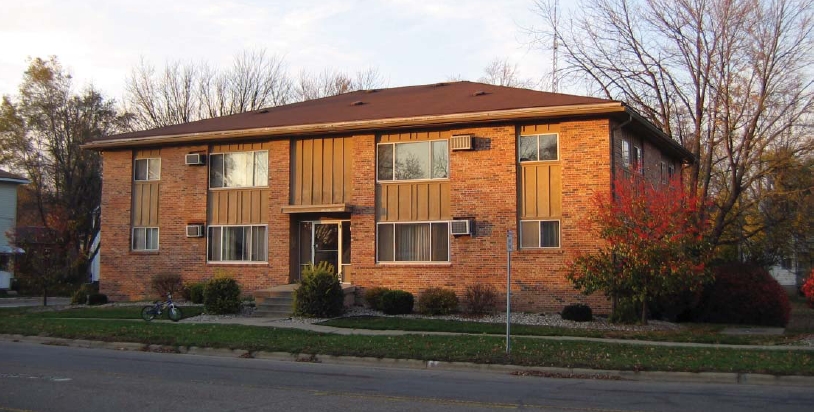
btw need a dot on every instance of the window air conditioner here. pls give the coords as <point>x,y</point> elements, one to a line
<point>461,227</point>
<point>461,142</point>
<point>195,159</point>
<point>195,230</point>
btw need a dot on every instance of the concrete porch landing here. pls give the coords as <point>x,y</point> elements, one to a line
<point>278,301</point>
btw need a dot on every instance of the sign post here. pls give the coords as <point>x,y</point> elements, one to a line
<point>509,248</point>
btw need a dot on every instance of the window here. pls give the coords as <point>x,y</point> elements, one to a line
<point>671,170</point>
<point>539,234</point>
<point>239,169</point>
<point>237,244</point>
<point>663,172</point>
<point>147,169</point>
<point>631,156</point>
<point>538,147</point>
<point>413,160</point>
<point>145,238</point>
<point>413,242</point>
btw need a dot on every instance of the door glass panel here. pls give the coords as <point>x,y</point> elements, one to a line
<point>305,243</point>
<point>345,243</point>
<point>326,243</point>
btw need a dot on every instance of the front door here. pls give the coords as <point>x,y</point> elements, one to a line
<point>326,241</point>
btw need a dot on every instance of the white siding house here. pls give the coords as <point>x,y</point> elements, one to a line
<point>8,220</point>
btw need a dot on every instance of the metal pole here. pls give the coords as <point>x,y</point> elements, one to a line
<point>509,246</point>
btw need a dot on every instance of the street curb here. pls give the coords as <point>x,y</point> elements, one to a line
<point>579,373</point>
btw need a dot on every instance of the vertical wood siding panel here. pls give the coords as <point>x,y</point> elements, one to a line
<point>296,175</point>
<point>327,171</point>
<point>153,205</point>
<point>405,196</point>
<point>556,190</point>
<point>318,162</point>
<point>423,206</point>
<point>445,195</point>
<point>307,168</point>
<point>392,202</point>
<point>338,176</point>
<point>223,204</point>
<point>543,191</point>
<point>434,201</point>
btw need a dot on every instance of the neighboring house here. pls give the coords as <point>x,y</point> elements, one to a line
<point>8,218</point>
<point>408,188</point>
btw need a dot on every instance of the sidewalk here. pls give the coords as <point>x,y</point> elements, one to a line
<point>29,301</point>
<point>290,324</point>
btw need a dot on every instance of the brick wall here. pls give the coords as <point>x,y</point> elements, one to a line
<point>183,191</point>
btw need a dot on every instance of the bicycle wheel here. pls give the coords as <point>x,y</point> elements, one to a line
<point>148,313</point>
<point>174,314</point>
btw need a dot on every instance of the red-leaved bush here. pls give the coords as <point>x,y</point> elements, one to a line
<point>745,294</point>
<point>808,290</point>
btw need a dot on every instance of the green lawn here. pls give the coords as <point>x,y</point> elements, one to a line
<point>115,312</point>
<point>479,349</point>
<point>698,333</point>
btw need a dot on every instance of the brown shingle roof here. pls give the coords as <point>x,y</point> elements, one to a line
<point>6,176</point>
<point>399,102</point>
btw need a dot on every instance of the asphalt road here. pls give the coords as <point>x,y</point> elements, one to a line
<point>43,378</point>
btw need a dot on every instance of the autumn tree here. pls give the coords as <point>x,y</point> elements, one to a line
<point>310,85</point>
<point>502,72</point>
<point>654,244</point>
<point>185,92</point>
<point>728,79</point>
<point>41,133</point>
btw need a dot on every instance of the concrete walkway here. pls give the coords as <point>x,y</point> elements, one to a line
<point>28,302</point>
<point>289,324</point>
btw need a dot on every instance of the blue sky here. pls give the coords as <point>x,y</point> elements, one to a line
<point>409,41</point>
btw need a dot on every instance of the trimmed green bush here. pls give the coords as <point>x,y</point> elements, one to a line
<point>373,297</point>
<point>397,302</point>
<point>221,296</point>
<point>745,294</point>
<point>164,283</point>
<point>438,301</point>
<point>97,299</point>
<point>320,294</point>
<point>194,292</point>
<point>577,312</point>
<point>80,297</point>
<point>480,299</point>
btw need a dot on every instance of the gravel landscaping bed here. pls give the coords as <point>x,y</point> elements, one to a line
<point>517,318</point>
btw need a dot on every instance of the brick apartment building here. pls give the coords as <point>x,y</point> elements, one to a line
<point>408,188</point>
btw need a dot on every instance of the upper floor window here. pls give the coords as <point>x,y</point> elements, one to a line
<point>239,169</point>
<point>539,147</point>
<point>631,155</point>
<point>413,160</point>
<point>147,169</point>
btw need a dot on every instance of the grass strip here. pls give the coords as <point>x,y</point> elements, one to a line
<point>116,312</point>
<point>693,333</point>
<point>478,349</point>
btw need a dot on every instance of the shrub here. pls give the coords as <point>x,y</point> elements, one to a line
<point>577,312</point>
<point>397,302</point>
<point>808,290</point>
<point>745,294</point>
<point>80,297</point>
<point>164,283</point>
<point>480,299</point>
<point>221,296</point>
<point>97,299</point>
<point>373,297</point>
<point>438,301</point>
<point>320,294</point>
<point>194,292</point>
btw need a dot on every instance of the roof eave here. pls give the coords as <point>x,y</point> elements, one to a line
<point>363,125</point>
<point>13,180</point>
<point>659,134</point>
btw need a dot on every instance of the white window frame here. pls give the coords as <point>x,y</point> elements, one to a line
<point>628,149</point>
<point>538,135</point>
<point>223,162</point>
<point>413,262</point>
<point>539,222</point>
<point>144,249</point>
<point>394,144</point>
<point>149,160</point>
<point>241,262</point>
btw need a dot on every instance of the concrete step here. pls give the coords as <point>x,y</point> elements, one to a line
<point>267,313</point>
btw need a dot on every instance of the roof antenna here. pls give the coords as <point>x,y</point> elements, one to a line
<point>554,85</point>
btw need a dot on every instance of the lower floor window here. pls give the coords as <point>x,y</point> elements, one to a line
<point>145,238</point>
<point>237,244</point>
<point>413,242</point>
<point>539,234</point>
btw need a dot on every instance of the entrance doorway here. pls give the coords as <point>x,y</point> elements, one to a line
<point>326,241</point>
